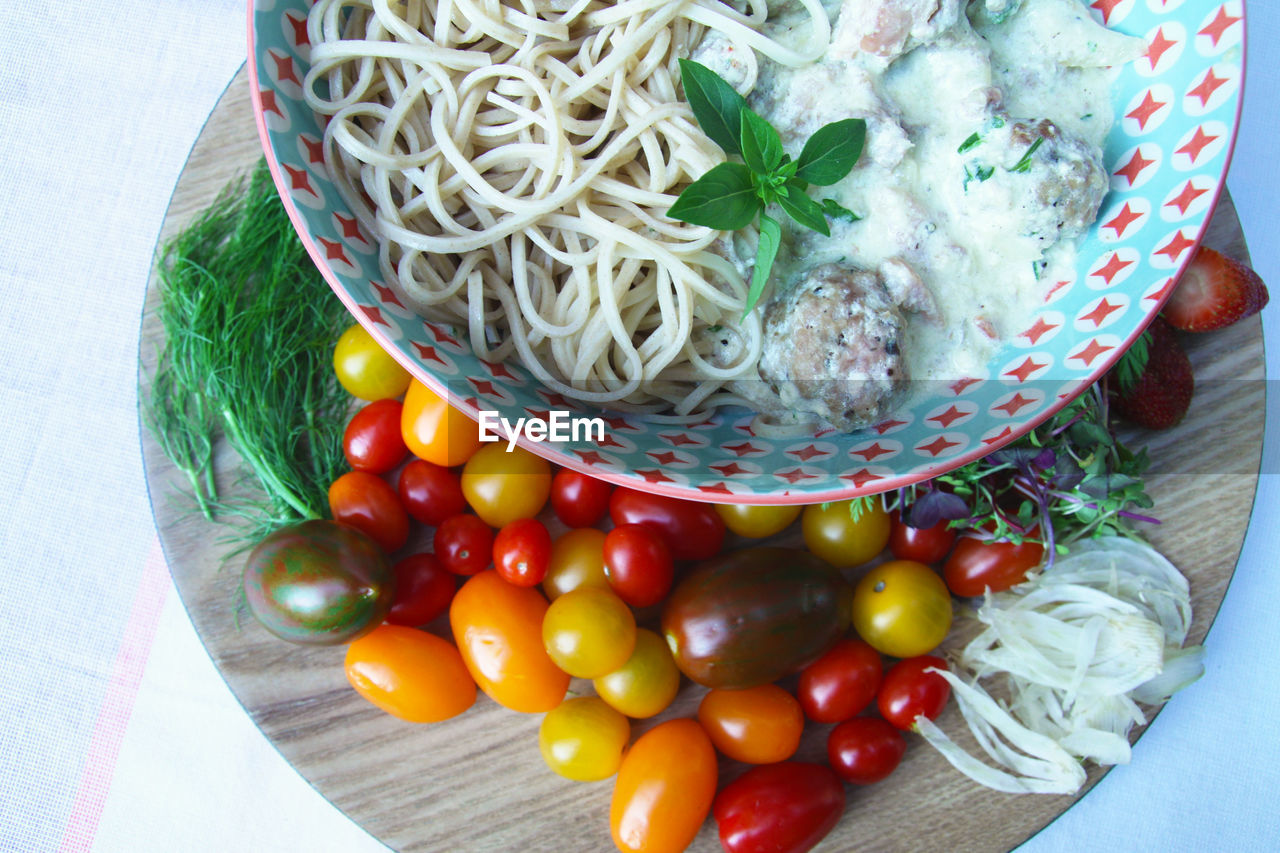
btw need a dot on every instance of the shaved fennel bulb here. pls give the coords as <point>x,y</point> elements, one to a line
<point>1079,646</point>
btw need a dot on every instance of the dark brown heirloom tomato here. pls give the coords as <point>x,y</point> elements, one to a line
<point>753,616</point>
<point>692,530</point>
<point>779,808</point>
<point>318,583</point>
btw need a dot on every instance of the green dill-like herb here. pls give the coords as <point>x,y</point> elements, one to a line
<point>1134,361</point>
<point>250,327</point>
<point>864,504</point>
<point>1024,165</point>
<point>972,142</point>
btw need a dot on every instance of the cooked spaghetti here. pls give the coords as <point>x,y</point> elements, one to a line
<point>516,161</point>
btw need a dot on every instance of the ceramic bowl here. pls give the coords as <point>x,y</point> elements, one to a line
<point>1177,110</point>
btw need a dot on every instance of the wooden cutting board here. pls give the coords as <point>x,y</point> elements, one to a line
<point>478,783</point>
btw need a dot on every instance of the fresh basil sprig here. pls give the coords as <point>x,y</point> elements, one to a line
<point>731,195</point>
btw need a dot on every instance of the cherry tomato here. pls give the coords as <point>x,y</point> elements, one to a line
<point>410,674</point>
<point>464,544</point>
<point>664,789</point>
<point>646,684</point>
<point>922,544</point>
<point>779,808</point>
<point>431,493</point>
<point>758,725</point>
<point>583,739</point>
<point>865,750</point>
<point>498,629</point>
<point>577,559</point>
<point>976,566</point>
<point>589,632</point>
<point>365,369</point>
<point>371,441</point>
<point>831,532</point>
<point>423,590</point>
<point>522,552</point>
<point>317,583</point>
<point>578,499</point>
<point>909,692</point>
<point>638,564</point>
<point>365,501</point>
<point>841,683</point>
<point>502,486</point>
<point>902,608</point>
<point>435,431</point>
<point>757,522</point>
<point>693,531</point>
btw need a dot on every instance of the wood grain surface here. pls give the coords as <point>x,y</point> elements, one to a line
<point>477,783</point>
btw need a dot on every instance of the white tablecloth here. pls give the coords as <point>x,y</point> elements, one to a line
<point>116,733</point>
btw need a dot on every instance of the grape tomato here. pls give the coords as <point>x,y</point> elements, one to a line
<point>430,493</point>
<point>410,674</point>
<point>372,441</point>
<point>832,533</point>
<point>909,691</point>
<point>779,808</point>
<point>423,590</point>
<point>638,564</point>
<point>589,632</point>
<point>579,500</point>
<point>435,431</point>
<point>365,369</point>
<point>464,544</point>
<point>976,565</point>
<point>922,544</point>
<point>840,684</point>
<point>522,552</point>
<point>757,725</point>
<point>902,608</point>
<point>647,683</point>
<point>664,789</point>
<point>583,739</point>
<point>577,559</point>
<point>692,531</point>
<point>502,486</point>
<point>757,522</point>
<point>865,750</point>
<point>366,502</point>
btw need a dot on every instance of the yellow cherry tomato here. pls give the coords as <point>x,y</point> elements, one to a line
<point>664,789</point>
<point>502,487</point>
<point>758,725</point>
<point>757,522</point>
<point>902,608</point>
<point>365,369</point>
<point>435,431</point>
<point>583,739</point>
<point>647,683</point>
<point>589,632</point>
<point>498,629</point>
<point>577,559</point>
<point>410,674</point>
<point>833,534</point>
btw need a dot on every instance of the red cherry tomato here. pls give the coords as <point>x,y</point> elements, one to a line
<point>464,544</point>
<point>638,564</point>
<point>865,750</point>
<point>372,440</point>
<point>976,566</point>
<point>693,531</point>
<point>365,501</point>
<point>922,544</point>
<point>579,500</point>
<point>908,691</point>
<point>841,683</point>
<point>522,552</point>
<point>778,808</point>
<point>431,493</point>
<point>424,589</point>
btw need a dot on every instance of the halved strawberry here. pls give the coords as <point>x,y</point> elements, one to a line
<point>1160,397</point>
<point>1214,292</point>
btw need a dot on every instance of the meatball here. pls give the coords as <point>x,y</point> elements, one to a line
<point>886,29</point>
<point>831,346</point>
<point>1054,181</point>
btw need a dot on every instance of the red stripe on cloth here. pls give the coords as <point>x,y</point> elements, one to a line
<point>117,705</point>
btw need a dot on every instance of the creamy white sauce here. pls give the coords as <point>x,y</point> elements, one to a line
<point>984,256</point>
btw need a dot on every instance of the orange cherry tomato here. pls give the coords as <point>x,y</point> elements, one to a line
<point>664,789</point>
<point>759,725</point>
<point>435,431</point>
<point>498,629</point>
<point>410,674</point>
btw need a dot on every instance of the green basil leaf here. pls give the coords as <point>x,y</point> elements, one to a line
<point>804,210</point>
<point>832,151</point>
<point>716,105</point>
<point>724,198</point>
<point>766,253</point>
<point>836,210</point>
<point>761,144</point>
